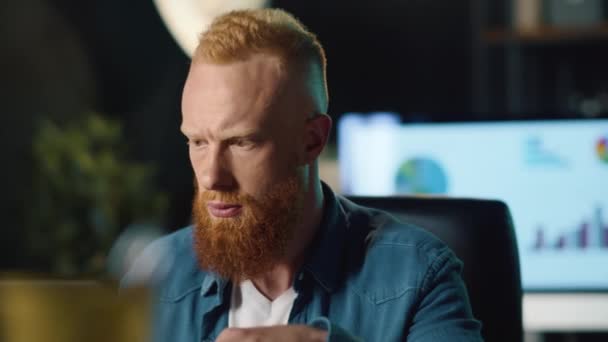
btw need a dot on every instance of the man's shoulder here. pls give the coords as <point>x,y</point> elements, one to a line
<point>168,264</point>
<point>172,247</point>
<point>404,236</point>
<point>178,239</point>
<point>382,229</point>
<point>397,257</point>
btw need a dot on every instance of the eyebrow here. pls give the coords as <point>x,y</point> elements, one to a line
<point>244,134</point>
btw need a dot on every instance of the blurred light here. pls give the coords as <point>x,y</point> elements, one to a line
<point>134,253</point>
<point>187,19</point>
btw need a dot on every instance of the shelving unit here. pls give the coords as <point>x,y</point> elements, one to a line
<point>547,34</point>
<point>535,72</point>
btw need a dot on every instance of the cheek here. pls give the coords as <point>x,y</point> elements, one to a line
<point>252,167</point>
<point>256,173</point>
<point>193,161</point>
<point>196,163</point>
<point>293,149</point>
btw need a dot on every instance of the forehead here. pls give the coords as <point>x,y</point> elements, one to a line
<point>217,97</point>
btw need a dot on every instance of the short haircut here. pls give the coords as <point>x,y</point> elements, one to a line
<point>237,35</point>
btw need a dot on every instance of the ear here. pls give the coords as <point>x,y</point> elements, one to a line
<point>318,128</point>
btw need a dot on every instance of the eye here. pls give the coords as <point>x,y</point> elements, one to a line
<point>245,144</point>
<point>197,143</point>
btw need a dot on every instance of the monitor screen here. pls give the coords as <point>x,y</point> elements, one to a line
<point>553,175</point>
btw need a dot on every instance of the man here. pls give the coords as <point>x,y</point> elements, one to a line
<point>274,254</point>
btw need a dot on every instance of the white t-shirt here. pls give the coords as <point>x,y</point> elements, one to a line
<point>250,308</point>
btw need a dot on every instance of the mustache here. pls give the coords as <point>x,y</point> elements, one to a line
<point>221,196</point>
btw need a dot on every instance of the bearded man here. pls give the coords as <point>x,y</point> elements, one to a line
<point>274,254</point>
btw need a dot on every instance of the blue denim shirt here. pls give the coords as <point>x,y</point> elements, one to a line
<point>367,277</point>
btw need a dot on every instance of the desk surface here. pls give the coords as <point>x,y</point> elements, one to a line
<point>561,312</point>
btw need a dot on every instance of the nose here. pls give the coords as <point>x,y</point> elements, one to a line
<point>215,172</point>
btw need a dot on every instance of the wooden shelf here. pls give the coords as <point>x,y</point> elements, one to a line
<point>548,34</point>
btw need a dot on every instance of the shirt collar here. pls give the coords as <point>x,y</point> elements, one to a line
<point>326,250</point>
<point>213,284</point>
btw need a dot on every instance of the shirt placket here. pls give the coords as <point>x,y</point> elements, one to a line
<point>214,314</point>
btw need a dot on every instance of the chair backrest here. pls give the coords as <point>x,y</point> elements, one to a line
<point>481,234</point>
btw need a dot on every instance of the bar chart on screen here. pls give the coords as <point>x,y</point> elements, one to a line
<point>591,233</point>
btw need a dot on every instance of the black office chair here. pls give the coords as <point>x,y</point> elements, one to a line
<point>481,234</point>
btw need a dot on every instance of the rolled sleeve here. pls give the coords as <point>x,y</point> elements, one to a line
<point>444,312</point>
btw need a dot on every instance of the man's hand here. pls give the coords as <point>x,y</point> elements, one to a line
<point>292,333</point>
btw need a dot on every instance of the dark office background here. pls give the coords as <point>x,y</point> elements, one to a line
<point>429,60</point>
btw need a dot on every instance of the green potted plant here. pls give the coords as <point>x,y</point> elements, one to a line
<point>86,191</point>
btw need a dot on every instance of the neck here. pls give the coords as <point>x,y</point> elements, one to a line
<point>278,280</point>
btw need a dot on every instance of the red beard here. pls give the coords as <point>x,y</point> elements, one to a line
<point>251,243</point>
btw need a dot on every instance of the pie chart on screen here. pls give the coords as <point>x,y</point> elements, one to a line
<point>421,175</point>
<point>602,149</point>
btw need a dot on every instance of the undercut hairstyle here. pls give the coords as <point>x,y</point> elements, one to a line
<point>237,35</point>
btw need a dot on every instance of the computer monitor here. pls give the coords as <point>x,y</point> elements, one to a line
<point>553,175</point>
